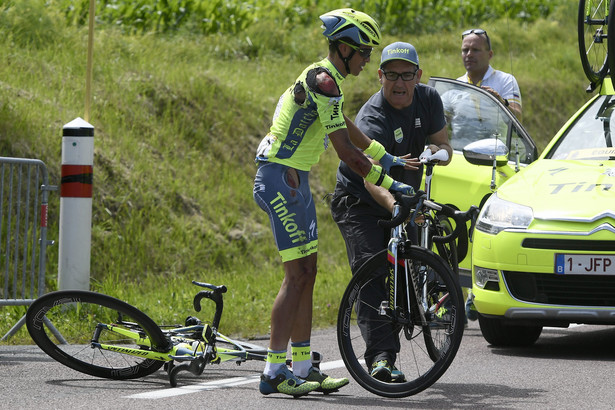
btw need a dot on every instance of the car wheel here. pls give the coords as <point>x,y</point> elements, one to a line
<point>497,333</point>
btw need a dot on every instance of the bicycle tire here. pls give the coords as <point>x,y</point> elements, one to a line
<point>593,38</point>
<point>611,44</point>
<point>75,314</point>
<point>415,358</point>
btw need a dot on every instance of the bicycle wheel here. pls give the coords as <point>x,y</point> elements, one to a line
<point>423,350</point>
<point>63,325</point>
<point>593,34</point>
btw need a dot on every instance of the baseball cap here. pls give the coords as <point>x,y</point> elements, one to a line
<point>399,51</point>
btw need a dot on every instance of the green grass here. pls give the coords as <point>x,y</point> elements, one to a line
<point>177,119</point>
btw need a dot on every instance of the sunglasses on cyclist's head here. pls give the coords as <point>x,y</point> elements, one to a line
<point>478,32</point>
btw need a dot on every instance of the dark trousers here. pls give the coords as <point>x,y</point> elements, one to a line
<point>358,224</point>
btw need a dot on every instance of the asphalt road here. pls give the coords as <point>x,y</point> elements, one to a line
<point>566,369</point>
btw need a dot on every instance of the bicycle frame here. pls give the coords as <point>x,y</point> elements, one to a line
<point>180,351</point>
<point>397,240</point>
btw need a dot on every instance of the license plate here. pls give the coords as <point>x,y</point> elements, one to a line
<point>575,264</point>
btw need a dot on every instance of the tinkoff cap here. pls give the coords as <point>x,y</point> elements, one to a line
<point>399,51</point>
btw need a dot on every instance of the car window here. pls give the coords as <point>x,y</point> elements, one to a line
<point>473,114</point>
<point>592,134</point>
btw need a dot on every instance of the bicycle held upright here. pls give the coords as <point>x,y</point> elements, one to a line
<point>416,302</point>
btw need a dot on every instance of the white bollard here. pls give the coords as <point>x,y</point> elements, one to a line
<point>76,205</point>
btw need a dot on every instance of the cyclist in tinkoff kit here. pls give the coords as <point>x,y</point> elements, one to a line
<point>309,116</point>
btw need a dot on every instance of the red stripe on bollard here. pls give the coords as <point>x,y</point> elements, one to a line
<point>44,216</point>
<point>76,181</point>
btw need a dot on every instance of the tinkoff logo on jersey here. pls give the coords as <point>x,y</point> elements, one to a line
<point>279,207</point>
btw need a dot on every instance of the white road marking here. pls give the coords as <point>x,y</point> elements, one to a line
<point>216,384</point>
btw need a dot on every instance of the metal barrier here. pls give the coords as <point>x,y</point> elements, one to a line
<point>24,193</point>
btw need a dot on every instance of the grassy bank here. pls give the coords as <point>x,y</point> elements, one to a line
<point>177,119</point>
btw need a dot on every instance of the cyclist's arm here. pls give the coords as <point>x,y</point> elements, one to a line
<point>382,196</point>
<point>357,137</point>
<point>438,141</point>
<point>348,152</point>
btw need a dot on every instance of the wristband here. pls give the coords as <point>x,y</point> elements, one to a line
<point>506,103</point>
<point>378,177</point>
<point>375,150</point>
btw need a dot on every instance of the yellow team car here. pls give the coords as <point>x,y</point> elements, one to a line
<point>544,245</point>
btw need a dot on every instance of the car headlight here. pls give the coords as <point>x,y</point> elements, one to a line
<point>498,214</point>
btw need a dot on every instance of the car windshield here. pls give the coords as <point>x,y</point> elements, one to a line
<point>591,135</point>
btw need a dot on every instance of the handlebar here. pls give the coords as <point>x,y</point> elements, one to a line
<point>406,203</point>
<point>417,201</point>
<point>428,157</point>
<point>460,218</point>
<point>214,294</point>
<point>221,288</point>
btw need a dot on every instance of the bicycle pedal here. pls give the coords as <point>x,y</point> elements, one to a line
<point>384,308</point>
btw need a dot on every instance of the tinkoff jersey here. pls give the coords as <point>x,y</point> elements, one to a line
<point>303,118</point>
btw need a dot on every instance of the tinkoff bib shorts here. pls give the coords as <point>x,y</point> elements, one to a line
<point>290,207</point>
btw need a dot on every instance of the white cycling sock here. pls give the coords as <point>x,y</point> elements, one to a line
<point>302,361</point>
<point>275,360</point>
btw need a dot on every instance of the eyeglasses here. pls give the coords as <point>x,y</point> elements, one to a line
<point>363,52</point>
<point>478,32</point>
<point>393,76</point>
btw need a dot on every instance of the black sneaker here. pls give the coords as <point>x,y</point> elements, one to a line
<point>381,370</point>
<point>397,376</point>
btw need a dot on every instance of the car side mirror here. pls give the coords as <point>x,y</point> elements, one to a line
<point>483,152</point>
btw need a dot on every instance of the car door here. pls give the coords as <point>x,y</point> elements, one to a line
<point>473,114</point>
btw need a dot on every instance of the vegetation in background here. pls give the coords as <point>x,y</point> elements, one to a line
<point>181,99</point>
<point>234,17</point>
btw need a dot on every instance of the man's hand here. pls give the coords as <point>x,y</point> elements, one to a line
<point>495,93</point>
<point>387,161</point>
<point>412,163</point>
